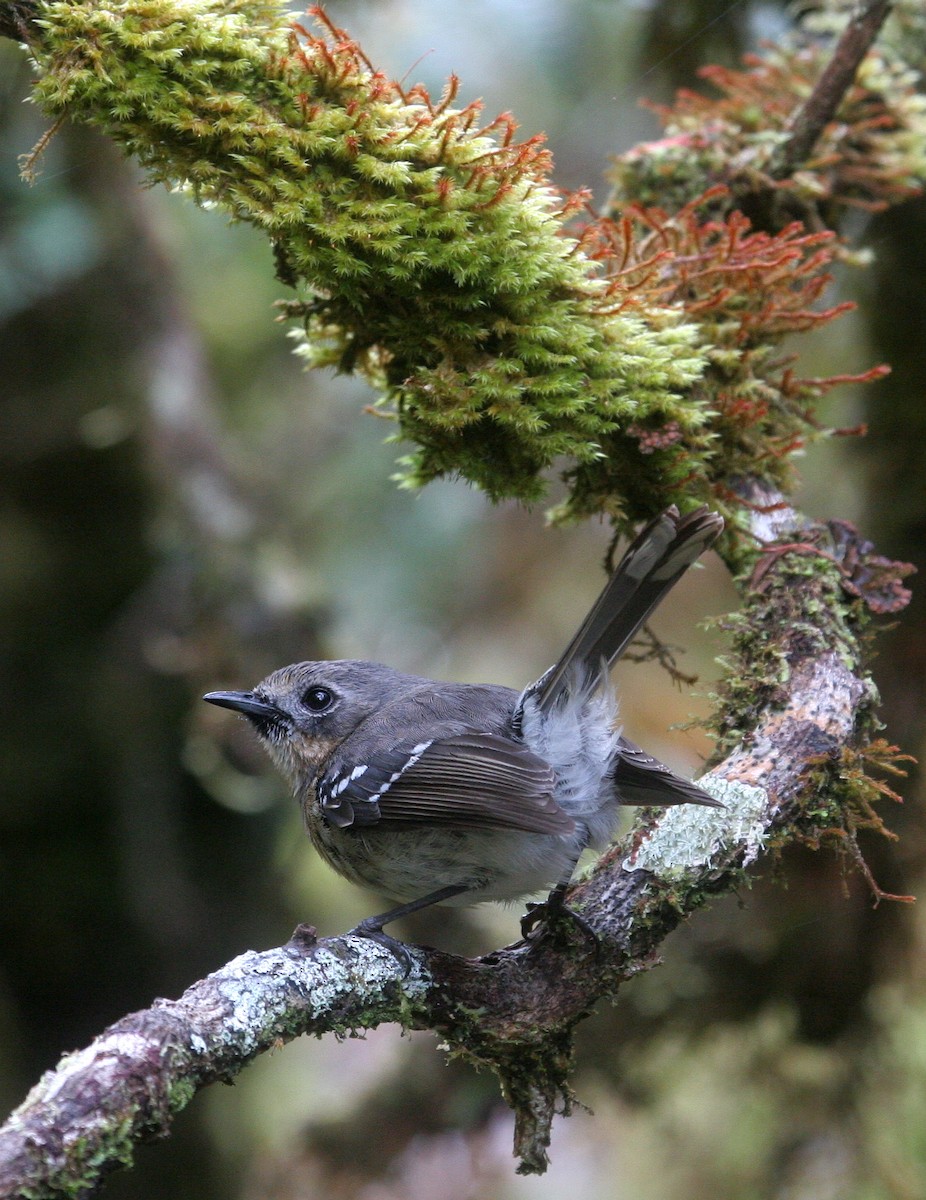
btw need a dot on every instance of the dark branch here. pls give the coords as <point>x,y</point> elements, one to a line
<point>820,107</point>
<point>513,1010</point>
<point>16,20</point>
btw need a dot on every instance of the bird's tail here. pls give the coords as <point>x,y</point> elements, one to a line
<point>651,567</point>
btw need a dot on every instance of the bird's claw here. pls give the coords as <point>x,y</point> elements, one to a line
<point>371,929</point>
<point>541,920</point>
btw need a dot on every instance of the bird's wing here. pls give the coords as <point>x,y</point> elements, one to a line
<point>642,779</point>
<point>471,780</point>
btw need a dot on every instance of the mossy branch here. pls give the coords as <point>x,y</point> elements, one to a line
<point>432,252</point>
<point>515,1010</point>
<point>429,247</point>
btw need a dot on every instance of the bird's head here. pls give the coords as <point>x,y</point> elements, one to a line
<point>303,712</point>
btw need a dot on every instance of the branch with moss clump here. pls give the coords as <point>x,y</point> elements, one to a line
<point>432,253</point>
<point>430,249</point>
<point>516,1010</point>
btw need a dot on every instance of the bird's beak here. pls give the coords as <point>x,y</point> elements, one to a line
<point>243,702</point>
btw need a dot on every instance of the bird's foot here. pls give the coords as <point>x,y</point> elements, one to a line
<point>371,929</point>
<point>549,919</point>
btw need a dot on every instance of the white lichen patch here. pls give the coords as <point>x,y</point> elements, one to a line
<point>322,977</point>
<point>197,1044</point>
<point>689,836</point>
<point>103,1055</point>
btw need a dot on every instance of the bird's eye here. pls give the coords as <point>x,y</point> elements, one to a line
<point>318,699</point>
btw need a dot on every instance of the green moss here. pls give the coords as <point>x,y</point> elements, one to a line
<point>806,612</point>
<point>430,254</point>
<point>433,254</point>
<point>840,801</point>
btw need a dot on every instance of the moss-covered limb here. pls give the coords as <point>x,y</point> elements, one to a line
<point>434,254</point>
<point>797,729</point>
<point>749,291</point>
<point>797,679</point>
<point>430,250</point>
<point>743,197</point>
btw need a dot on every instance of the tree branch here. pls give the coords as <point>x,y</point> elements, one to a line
<point>820,108</point>
<point>515,1009</point>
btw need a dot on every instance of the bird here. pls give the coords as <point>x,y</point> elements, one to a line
<point>433,792</point>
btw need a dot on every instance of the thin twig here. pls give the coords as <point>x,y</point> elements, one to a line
<point>820,107</point>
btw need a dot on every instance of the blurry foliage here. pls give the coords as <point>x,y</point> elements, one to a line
<point>780,1051</point>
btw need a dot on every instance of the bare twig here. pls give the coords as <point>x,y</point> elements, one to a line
<point>820,107</point>
<point>648,646</point>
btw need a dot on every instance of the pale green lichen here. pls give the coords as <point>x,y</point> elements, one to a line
<point>693,838</point>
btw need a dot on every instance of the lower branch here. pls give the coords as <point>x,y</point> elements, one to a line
<point>795,705</point>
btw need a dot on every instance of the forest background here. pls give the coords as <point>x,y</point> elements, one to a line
<point>183,507</point>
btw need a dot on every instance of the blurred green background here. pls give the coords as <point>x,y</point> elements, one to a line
<point>182,508</point>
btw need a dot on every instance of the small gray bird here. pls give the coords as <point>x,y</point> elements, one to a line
<point>454,793</point>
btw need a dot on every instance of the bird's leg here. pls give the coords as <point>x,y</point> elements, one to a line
<point>372,927</point>
<point>548,912</point>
